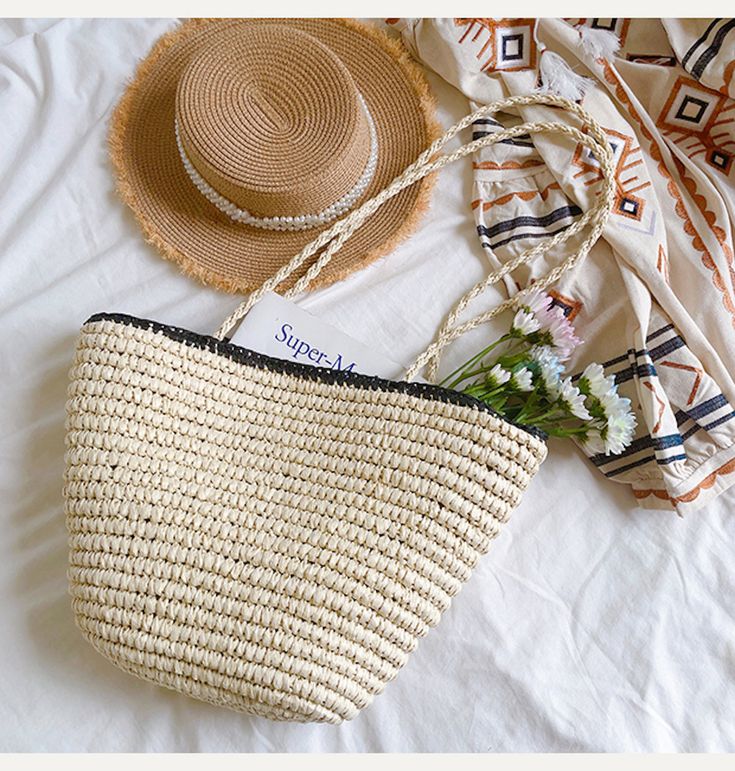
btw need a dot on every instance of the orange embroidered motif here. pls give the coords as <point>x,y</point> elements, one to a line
<point>661,407</point>
<point>570,306</point>
<point>690,116</point>
<point>524,195</point>
<point>624,151</point>
<point>671,187</point>
<point>696,370</point>
<point>492,166</point>
<point>502,44</point>
<point>709,217</point>
<point>662,264</point>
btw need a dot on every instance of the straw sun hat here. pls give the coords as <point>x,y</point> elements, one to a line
<point>239,140</point>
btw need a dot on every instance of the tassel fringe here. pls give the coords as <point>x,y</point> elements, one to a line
<point>557,77</point>
<point>599,43</point>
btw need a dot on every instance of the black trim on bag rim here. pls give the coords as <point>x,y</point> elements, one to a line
<point>305,371</point>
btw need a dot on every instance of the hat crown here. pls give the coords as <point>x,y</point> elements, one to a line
<point>271,120</point>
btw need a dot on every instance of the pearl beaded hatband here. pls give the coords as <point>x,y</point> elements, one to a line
<point>296,222</point>
<point>270,115</point>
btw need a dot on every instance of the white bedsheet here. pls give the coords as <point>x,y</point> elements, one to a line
<point>591,625</point>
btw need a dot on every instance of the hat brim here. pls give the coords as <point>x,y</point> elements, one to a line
<point>186,228</point>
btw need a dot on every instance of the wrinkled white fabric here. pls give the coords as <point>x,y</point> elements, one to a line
<point>654,301</point>
<point>591,625</point>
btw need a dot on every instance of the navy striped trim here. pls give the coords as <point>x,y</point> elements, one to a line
<point>715,403</point>
<point>671,459</point>
<point>665,348</point>
<point>693,430</point>
<point>719,421</point>
<point>665,442</point>
<point>699,42</point>
<point>640,370</point>
<point>547,234</point>
<point>642,462</point>
<point>682,417</point>
<point>547,219</point>
<point>701,63</point>
<point>659,332</point>
<point>643,443</point>
<point>629,466</point>
<point>654,353</point>
<point>522,141</point>
<point>618,359</point>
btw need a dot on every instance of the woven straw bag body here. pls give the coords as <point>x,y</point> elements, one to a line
<point>272,537</point>
<point>265,536</point>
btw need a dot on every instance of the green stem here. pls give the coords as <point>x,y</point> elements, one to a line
<point>475,359</point>
<point>507,360</point>
<point>564,432</point>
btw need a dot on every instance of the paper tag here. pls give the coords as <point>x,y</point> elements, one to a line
<point>277,327</point>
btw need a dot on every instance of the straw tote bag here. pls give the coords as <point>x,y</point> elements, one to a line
<point>273,537</point>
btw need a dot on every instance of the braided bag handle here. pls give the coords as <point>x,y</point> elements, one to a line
<point>428,162</point>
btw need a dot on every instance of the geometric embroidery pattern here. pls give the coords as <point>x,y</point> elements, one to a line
<point>704,49</point>
<point>661,407</point>
<point>569,306</point>
<point>694,118</point>
<point>660,60</point>
<point>697,371</point>
<point>483,127</point>
<point>694,417</point>
<point>626,157</point>
<point>527,227</point>
<point>673,190</point>
<point>500,44</point>
<point>619,27</point>
<point>524,195</point>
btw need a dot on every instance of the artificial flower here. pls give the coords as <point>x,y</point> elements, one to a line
<point>522,379</point>
<point>550,369</point>
<point>521,375</point>
<point>524,323</point>
<point>573,399</point>
<point>498,376</point>
<point>594,382</point>
<point>554,329</point>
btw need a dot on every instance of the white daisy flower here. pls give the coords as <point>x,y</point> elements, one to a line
<point>619,435</point>
<point>594,381</point>
<point>536,301</point>
<point>522,379</point>
<point>613,403</point>
<point>561,332</point>
<point>554,328</point>
<point>573,399</point>
<point>498,375</point>
<point>550,368</point>
<point>593,443</point>
<point>525,323</point>
<point>620,425</point>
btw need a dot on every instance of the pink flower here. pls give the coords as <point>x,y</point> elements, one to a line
<point>561,332</point>
<point>536,301</point>
<point>555,329</point>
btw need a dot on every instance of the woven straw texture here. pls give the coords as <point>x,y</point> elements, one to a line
<point>269,115</point>
<point>269,537</point>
